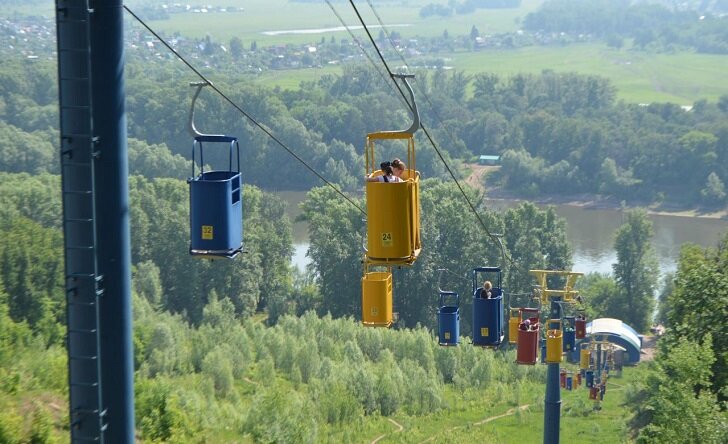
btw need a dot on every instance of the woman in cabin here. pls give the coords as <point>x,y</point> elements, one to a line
<point>398,168</point>
<point>387,176</point>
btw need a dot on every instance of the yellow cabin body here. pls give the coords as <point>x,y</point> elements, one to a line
<point>376,299</point>
<point>554,346</point>
<point>393,210</point>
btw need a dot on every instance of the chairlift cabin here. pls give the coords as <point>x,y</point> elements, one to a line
<point>487,307</point>
<point>513,320</point>
<point>580,326</point>
<point>569,333</point>
<point>376,298</point>
<point>554,341</point>
<point>529,334</point>
<point>393,207</point>
<point>216,209</point>
<point>585,356</point>
<point>448,318</point>
<point>589,376</point>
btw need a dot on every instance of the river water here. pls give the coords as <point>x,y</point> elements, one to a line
<point>590,231</point>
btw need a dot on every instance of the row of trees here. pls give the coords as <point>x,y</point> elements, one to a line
<point>452,238</point>
<point>552,130</point>
<point>684,398</point>
<point>32,255</point>
<point>172,280</point>
<point>307,379</point>
<point>651,26</point>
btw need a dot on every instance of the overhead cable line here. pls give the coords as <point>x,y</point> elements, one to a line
<point>506,257</point>
<point>360,45</point>
<point>421,89</point>
<point>493,237</point>
<point>242,111</point>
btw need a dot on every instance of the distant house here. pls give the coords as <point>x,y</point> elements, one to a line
<point>485,159</point>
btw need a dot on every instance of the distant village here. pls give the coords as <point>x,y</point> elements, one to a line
<point>34,37</point>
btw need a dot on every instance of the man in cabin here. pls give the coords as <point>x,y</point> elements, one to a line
<point>487,287</point>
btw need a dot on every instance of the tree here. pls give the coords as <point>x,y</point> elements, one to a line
<point>697,305</point>
<point>714,191</point>
<point>674,404</point>
<point>536,239</point>
<point>615,41</point>
<point>636,272</point>
<point>147,283</point>
<point>236,47</point>
<point>31,270</point>
<point>597,290</point>
<point>452,238</point>
<point>335,228</point>
<point>668,287</point>
<point>723,103</point>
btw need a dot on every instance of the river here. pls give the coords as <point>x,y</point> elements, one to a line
<point>590,232</point>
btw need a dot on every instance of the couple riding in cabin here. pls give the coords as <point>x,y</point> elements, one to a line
<point>391,172</point>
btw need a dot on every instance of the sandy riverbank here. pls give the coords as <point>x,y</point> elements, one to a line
<point>584,200</point>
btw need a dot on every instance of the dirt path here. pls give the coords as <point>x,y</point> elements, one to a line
<point>396,424</point>
<point>475,179</point>
<point>647,352</point>
<point>508,412</point>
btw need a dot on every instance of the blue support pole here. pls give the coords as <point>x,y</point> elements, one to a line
<point>552,402</point>
<point>598,376</point>
<point>112,204</point>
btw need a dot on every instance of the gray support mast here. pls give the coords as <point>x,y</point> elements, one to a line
<point>95,193</point>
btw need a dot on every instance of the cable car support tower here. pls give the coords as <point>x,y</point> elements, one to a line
<point>94,171</point>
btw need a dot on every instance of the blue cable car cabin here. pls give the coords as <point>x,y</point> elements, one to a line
<point>569,327</point>
<point>216,208</point>
<point>448,318</point>
<point>488,316</point>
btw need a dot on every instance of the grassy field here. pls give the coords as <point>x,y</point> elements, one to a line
<point>494,416</point>
<point>681,78</point>
<point>260,16</point>
<point>639,77</point>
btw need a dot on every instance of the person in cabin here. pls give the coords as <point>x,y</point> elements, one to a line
<point>525,325</point>
<point>387,174</point>
<point>487,287</point>
<point>398,168</point>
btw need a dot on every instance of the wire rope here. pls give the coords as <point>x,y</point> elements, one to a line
<point>360,45</point>
<point>493,237</point>
<point>242,111</point>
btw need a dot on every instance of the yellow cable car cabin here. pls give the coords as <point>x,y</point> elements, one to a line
<point>393,203</point>
<point>393,210</point>
<point>376,298</point>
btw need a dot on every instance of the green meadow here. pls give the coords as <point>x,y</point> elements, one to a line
<point>680,77</point>
<point>259,16</point>
<point>506,413</point>
<point>639,77</point>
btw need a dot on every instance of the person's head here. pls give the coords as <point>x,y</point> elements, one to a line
<point>487,286</point>
<point>398,167</point>
<point>386,168</point>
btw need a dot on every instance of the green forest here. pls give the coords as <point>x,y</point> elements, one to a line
<point>553,131</point>
<point>254,350</point>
